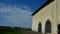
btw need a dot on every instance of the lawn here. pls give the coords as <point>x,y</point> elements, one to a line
<point>14,32</point>
<point>9,30</point>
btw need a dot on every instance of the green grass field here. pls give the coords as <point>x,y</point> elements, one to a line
<point>8,30</point>
<point>14,32</point>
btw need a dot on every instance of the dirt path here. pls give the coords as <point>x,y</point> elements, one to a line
<point>29,32</point>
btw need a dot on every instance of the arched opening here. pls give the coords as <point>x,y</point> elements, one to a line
<point>40,27</point>
<point>48,27</point>
<point>59,29</point>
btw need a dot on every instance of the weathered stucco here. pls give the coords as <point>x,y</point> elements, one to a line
<point>51,12</point>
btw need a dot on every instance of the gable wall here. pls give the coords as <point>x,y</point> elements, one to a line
<point>42,16</point>
<point>48,12</point>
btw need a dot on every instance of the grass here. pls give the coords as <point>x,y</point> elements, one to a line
<point>14,32</point>
<point>9,30</point>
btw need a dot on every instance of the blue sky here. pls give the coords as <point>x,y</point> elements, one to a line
<point>18,12</point>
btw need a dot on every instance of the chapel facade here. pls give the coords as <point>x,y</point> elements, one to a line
<point>47,18</point>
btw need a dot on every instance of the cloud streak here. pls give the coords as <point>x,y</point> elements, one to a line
<point>18,16</point>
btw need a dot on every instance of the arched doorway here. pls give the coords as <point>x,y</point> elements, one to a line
<point>48,27</point>
<point>59,29</point>
<point>40,27</point>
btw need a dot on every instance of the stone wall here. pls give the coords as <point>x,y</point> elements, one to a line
<point>51,12</point>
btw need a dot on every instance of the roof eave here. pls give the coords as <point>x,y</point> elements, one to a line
<point>47,3</point>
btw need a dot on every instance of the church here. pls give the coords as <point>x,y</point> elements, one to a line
<point>46,19</point>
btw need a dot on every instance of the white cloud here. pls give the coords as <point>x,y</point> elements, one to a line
<point>18,16</point>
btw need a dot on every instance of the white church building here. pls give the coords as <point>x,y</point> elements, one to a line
<point>47,18</point>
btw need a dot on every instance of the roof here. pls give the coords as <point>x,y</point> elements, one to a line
<point>48,2</point>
